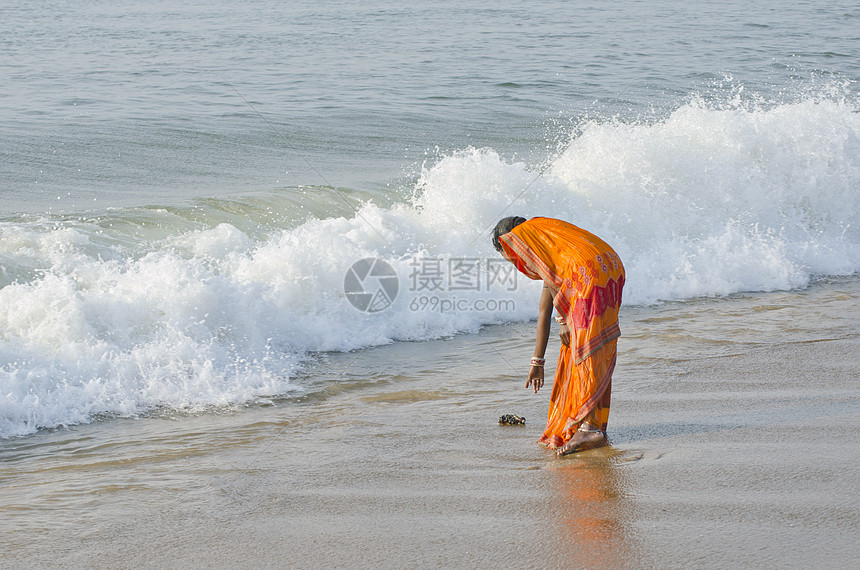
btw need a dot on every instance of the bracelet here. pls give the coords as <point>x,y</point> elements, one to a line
<point>560,320</point>
<point>538,361</point>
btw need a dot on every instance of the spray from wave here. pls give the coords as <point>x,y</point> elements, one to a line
<point>125,312</point>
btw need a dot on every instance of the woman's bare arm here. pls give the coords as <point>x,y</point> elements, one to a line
<point>535,377</point>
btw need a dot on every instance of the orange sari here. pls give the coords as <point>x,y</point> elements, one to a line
<point>587,277</point>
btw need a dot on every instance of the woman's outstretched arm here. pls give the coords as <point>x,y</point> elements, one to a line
<point>535,377</point>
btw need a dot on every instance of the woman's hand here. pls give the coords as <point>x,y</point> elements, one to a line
<point>564,334</point>
<point>535,378</point>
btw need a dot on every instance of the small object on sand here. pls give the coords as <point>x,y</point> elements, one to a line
<point>512,420</point>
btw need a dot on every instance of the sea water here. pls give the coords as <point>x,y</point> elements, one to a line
<point>186,188</point>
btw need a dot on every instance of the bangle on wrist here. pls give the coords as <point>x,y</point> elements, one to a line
<point>560,320</point>
<point>538,361</point>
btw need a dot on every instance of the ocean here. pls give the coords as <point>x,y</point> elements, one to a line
<point>213,211</point>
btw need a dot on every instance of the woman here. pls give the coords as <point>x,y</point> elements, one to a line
<point>583,278</point>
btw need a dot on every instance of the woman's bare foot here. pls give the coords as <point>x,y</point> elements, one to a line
<point>585,437</point>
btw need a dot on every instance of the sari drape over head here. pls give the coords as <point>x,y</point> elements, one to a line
<point>587,277</point>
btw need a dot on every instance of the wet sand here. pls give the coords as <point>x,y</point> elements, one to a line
<point>740,452</point>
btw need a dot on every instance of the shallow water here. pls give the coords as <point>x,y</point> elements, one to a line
<point>395,450</point>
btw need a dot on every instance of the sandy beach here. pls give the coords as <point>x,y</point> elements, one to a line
<point>744,454</point>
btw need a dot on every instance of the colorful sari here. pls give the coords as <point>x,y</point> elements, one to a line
<point>586,276</point>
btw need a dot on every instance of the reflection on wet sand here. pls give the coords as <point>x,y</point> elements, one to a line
<point>595,509</point>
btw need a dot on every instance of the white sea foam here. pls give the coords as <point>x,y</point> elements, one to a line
<point>708,201</point>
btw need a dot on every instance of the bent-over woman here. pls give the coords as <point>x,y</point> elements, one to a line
<point>583,278</point>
